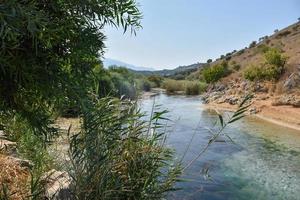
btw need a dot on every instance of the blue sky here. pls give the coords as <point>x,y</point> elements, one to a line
<point>182,32</point>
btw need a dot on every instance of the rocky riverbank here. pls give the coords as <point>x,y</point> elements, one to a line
<point>278,104</point>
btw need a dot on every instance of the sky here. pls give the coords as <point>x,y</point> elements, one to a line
<point>183,32</point>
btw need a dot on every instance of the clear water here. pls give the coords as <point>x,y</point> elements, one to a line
<point>263,163</point>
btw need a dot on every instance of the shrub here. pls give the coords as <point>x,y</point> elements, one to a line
<point>172,86</point>
<point>254,72</point>
<point>216,72</point>
<point>252,44</point>
<point>117,155</point>
<point>209,60</point>
<point>192,88</point>
<point>272,68</point>
<point>157,80</point>
<point>240,52</point>
<point>274,57</point>
<point>143,84</point>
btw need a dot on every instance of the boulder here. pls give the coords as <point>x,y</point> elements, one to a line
<point>57,185</point>
<point>292,81</point>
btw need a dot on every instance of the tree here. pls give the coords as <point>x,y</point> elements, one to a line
<point>49,50</point>
<point>252,44</point>
<point>209,60</point>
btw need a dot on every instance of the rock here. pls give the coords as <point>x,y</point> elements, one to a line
<point>287,100</point>
<point>7,146</point>
<point>253,111</point>
<point>57,185</point>
<point>21,162</point>
<point>292,81</point>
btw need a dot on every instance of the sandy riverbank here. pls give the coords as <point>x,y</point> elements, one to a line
<point>286,116</point>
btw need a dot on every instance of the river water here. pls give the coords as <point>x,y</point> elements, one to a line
<point>262,163</point>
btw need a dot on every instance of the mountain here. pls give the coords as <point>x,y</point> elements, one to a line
<point>177,73</point>
<point>108,62</point>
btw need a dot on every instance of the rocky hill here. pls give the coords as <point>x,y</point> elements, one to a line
<point>275,99</point>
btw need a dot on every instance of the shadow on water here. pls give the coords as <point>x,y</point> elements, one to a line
<point>262,164</point>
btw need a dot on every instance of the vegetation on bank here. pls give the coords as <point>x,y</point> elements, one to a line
<point>188,87</point>
<point>271,69</point>
<point>50,67</point>
<point>212,74</point>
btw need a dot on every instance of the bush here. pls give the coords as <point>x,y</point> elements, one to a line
<point>117,155</point>
<point>252,44</point>
<point>192,88</point>
<point>143,84</point>
<point>254,72</point>
<point>157,80</point>
<point>274,57</point>
<point>209,60</point>
<point>240,52</point>
<point>270,70</point>
<point>172,86</point>
<point>215,73</point>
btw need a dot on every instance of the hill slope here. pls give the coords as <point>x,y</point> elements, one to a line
<point>276,100</point>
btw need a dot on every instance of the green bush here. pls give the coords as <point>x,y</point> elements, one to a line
<point>157,80</point>
<point>254,72</point>
<point>192,88</point>
<point>117,155</point>
<point>252,44</point>
<point>271,69</point>
<point>144,85</point>
<point>216,72</point>
<point>172,86</point>
<point>274,57</point>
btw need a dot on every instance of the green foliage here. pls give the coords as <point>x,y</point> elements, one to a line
<point>157,80</point>
<point>188,87</point>
<point>272,68</point>
<point>117,155</point>
<point>172,86</point>
<point>252,44</point>
<point>48,52</point>
<point>195,87</point>
<point>216,72</point>
<point>209,60</point>
<point>240,52</point>
<point>274,57</point>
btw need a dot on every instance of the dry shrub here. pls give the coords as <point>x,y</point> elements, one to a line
<point>13,179</point>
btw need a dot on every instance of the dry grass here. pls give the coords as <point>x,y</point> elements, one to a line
<point>14,177</point>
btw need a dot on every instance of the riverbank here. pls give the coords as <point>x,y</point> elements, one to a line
<point>286,116</point>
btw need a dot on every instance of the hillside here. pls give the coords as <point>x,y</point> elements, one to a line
<point>276,96</point>
<point>178,73</point>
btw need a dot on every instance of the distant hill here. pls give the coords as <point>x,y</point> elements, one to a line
<point>178,73</point>
<point>108,62</point>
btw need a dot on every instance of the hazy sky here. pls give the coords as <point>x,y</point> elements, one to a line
<point>182,32</point>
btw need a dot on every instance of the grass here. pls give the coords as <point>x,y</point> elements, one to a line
<point>188,87</point>
<point>117,155</point>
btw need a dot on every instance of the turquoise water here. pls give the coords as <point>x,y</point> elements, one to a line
<point>262,163</point>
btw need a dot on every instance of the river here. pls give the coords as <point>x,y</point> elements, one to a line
<point>262,163</point>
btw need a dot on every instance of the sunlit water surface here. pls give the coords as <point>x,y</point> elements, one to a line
<point>262,163</point>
